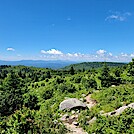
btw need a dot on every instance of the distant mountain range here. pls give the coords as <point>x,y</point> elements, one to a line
<point>59,64</point>
<point>55,64</point>
<point>89,65</point>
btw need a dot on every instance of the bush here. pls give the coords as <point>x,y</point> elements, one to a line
<point>77,79</point>
<point>122,124</point>
<point>47,93</point>
<point>28,121</point>
<point>89,83</point>
<point>64,88</point>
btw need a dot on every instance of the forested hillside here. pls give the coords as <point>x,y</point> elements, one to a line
<point>89,65</point>
<point>31,99</point>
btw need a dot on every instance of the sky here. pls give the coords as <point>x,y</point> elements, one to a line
<point>76,30</point>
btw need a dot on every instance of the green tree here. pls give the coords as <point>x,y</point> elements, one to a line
<point>72,71</point>
<point>89,83</point>
<point>131,68</point>
<point>48,75</point>
<point>11,95</point>
<point>31,101</point>
<point>105,77</point>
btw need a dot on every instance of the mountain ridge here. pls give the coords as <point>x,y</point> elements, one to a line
<point>54,64</point>
<point>89,65</point>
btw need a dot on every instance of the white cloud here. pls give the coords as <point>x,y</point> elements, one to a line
<point>124,54</point>
<point>110,54</point>
<point>132,55</point>
<point>54,54</point>
<point>52,51</point>
<point>10,49</point>
<point>115,17</point>
<point>118,16</point>
<point>76,54</point>
<point>69,54</point>
<point>101,52</point>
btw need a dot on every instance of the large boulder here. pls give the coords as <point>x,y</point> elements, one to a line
<point>71,103</point>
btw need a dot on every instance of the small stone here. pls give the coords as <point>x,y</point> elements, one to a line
<point>87,117</point>
<point>101,112</point>
<point>78,111</point>
<point>73,112</point>
<point>64,117</point>
<point>81,99</point>
<point>76,116</point>
<point>55,122</point>
<point>75,123</point>
<point>83,95</point>
<point>73,117</point>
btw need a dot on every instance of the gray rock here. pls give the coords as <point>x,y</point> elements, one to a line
<point>83,95</point>
<point>71,103</point>
<point>120,110</point>
<point>92,120</point>
<point>131,105</point>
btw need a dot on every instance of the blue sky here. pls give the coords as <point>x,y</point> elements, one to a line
<point>84,30</point>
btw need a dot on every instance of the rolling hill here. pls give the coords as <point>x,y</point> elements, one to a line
<point>89,65</point>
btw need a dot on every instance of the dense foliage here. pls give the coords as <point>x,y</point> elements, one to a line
<point>30,98</point>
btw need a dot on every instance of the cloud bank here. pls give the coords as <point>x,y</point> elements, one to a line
<point>99,55</point>
<point>55,54</point>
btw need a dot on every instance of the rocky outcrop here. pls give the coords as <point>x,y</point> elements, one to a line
<point>131,105</point>
<point>92,120</point>
<point>113,113</point>
<point>119,110</point>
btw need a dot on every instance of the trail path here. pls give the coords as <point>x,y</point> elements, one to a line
<point>74,129</point>
<point>89,101</point>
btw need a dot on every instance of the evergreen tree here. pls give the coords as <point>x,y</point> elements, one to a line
<point>48,75</point>
<point>11,95</point>
<point>131,68</point>
<point>106,79</point>
<point>72,70</point>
